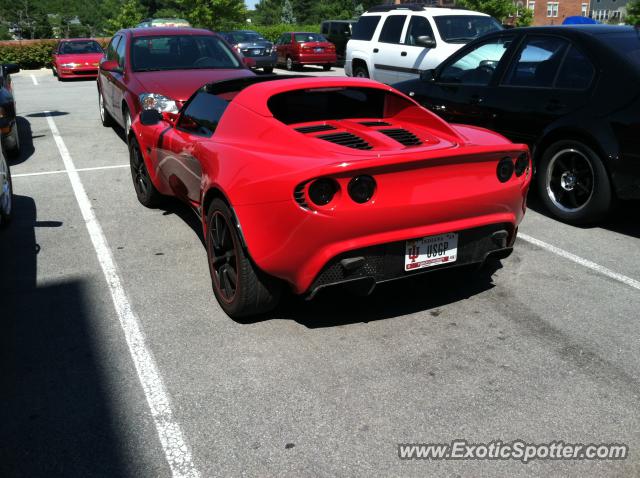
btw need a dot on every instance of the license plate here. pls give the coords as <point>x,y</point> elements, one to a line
<point>318,50</point>
<point>431,251</point>
<point>257,52</point>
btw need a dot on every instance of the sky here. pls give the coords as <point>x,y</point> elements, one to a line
<point>251,4</point>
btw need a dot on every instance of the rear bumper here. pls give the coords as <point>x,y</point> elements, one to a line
<point>264,61</point>
<point>311,59</point>
<point>385,262</point>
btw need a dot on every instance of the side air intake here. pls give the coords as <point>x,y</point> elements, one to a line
<point>346,139</point>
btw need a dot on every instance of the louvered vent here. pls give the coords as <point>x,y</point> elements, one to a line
<point>315,128</point>
<point>402,136</point>
<point>299,196</point>
<point>375,123</point>
<point>346,139</point>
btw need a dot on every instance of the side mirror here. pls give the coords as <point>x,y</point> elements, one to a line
<point>150,117</point>
<point>170,117</point>
<point>425,41</point>
<point>110,65</point>
<point>249,62</point>
<point>428,75</point>
<point>10,68</point>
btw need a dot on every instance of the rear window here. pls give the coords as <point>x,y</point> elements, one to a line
<point>464,28</point>
<point>304,37</point>
<point>366,26</point>
<point>322,104</point>
<point>181,52</point>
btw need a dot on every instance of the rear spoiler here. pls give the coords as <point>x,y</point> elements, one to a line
<point>239,84</point>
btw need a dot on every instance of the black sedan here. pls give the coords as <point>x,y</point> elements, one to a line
<point>8,125</point>
<point>251,45</point>
<point>571,93</point>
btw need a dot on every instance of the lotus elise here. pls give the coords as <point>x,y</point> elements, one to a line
<point>312,182</point>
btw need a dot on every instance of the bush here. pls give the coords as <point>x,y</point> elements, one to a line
<point>273,32</point>
<point>32,54</point>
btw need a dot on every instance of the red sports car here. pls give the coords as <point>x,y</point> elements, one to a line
<point>311,182</point>
<point>77,58</point>
<point>161,67</point>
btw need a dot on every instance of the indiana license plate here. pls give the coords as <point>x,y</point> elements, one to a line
<point>318,50</point>
<point>431,251</point>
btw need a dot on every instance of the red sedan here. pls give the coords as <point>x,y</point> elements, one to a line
<point>312,182</point>
<point>77,58</point>
<point>296,49</point>
<point>160,67</point>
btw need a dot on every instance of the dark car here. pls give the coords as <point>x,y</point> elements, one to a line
<point>8,125</point>
<point>338,32</point>
<point>571,93</point>
<point>252,45</point>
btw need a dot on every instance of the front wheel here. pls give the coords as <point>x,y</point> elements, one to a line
<point>12,142</point>
<point>146,192</point>
<point>105,117</point>
<point>573,183</point>
<point>268,69</point>
<point>6,192</point>
<point>239,286</point>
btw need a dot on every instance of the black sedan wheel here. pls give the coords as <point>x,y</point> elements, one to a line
<point>146,192</point>
<point>573,183</point>
<point>240,287</point>
<point>6,192</point>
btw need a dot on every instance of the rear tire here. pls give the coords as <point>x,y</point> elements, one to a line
<point>239,286</point>
<point>326,67</point>
<point>146,192</point>
<point>289,64</point>
<point>105,117</point>
<point>6,192</point>
<point>268,69</point>
<point>573,183</point>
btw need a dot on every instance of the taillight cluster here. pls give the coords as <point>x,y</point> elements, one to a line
<point>507,167</point>
<point>323,190</point>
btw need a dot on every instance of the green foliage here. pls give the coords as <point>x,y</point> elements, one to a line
<point>268,12</point>
<point>31,54</point>
<point>4,32</point>
<point>130,14</point>
<point>213,14</point>
<point>525,18</point>
<point>498,9</point>
<point>273,32</point>
<point>287,17</point>
<point>633,13</point>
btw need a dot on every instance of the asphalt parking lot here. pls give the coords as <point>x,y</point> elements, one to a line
<point>545,348</point>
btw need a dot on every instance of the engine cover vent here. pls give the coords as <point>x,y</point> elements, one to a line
<point>315,128</point>
<point>375,123</point>
<point>346,139</point>
<point>402,136</point>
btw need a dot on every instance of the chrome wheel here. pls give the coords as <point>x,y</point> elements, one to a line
<point>101,106</point>
<point>289,63</point>
<point>127,122</point>
<point>223,257</point>
<point>6,191</point>
<point>570,180</point>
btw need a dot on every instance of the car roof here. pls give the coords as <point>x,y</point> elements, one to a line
<point>432,11</point>
<point>166,31</point>
<point>570,30</point>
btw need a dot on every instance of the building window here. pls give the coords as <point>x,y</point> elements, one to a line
<point>585,9</point>
<point>552,9</point>
<point>531,5</point>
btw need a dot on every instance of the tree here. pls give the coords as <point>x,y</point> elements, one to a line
<point>633,13</point>
<point>287,17</point>
<point>525,17</point>
<point>498,9</point>
<point>303,11</point>
<point>130,14</point>
<point>268,12</point>
<point>213,14</point>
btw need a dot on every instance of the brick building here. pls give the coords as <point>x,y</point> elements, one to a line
<point>553,12</point>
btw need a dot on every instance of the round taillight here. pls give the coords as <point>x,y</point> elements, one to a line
<point>361,188</point>
<point>505,170</point>
<point>522,163</point>
<point>321,191</point>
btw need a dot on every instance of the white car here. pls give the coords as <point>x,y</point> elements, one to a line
<point>392,43</point>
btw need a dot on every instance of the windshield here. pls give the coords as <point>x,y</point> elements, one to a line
<point>464,28</point>
<point>241,37</point>
<point>625,44</point>
<point>76,47</point>
<point>304,37</point>
<point>181,52</point>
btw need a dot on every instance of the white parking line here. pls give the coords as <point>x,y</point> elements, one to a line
<point>175,448</point>
<point>35,81</point>
<point>43,173</point>
<point>583,262</point>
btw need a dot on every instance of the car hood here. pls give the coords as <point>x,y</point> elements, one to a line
<point>181,84</point>
<point>80,58</point>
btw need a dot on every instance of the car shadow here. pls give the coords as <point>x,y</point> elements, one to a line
<point>49,113</point>
<point>56,413</point>
<point>336,306</point>
<point>26,141</point>
<point>623,219</point>
<point>184,212</point>
<point>305,69</point>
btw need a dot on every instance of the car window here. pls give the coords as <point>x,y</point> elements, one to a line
<point>392,29</point>
<point>464,28</point>
<point>304,37</point>
<point>284,39</point>
<point>478,66</point>
<point>418,27</point>
<point>120,53</point>
<point>181,52</point>
<point>536,63</point>
<point>576,72</point>
<point>365,28</point>
<point>202,115</point>
<point>111,48</point>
